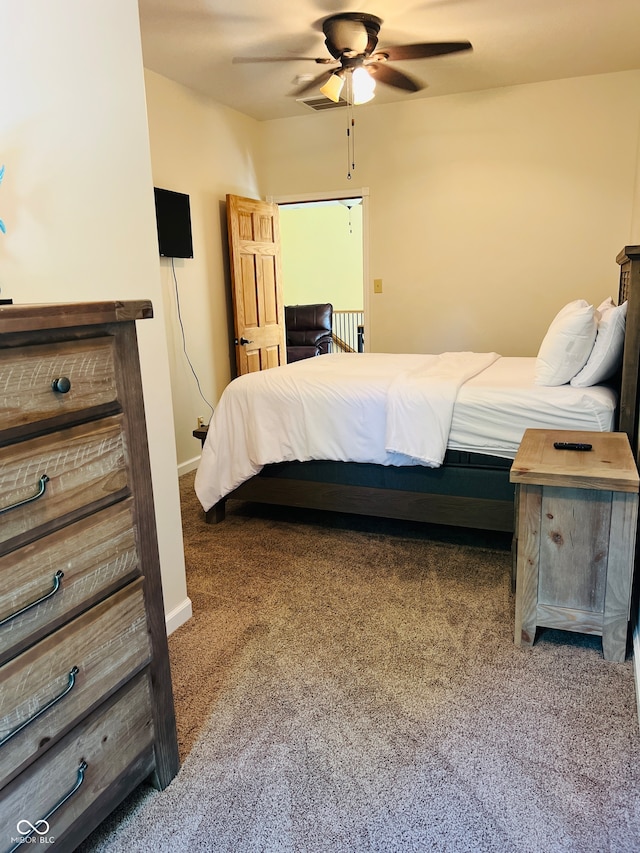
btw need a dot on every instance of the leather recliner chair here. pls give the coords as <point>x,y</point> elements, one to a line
<point>308,330</point>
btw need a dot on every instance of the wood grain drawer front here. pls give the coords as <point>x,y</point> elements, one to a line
<point>117,738</point>
<point>47,582</point>
<point>27,375</point>
<point>54,683</point>
<point>45,479</point>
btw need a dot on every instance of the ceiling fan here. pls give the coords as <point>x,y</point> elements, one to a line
<point>352,38</point>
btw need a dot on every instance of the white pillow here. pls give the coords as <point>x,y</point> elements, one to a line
<point>604,306</point>
<point>567,345</point>
<point>606,354</point>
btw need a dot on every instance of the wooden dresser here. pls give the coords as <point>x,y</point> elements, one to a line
<point>86,706</point>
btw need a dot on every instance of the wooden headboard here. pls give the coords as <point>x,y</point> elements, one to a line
<point>629,260</point>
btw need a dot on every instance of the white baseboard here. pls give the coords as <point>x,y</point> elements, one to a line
<point>178,616</point>
<point>188,466</point>
<point>183,612</point>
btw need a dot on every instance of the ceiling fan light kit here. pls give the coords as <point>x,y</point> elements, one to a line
<point>332,89</point>
<point>362,86</point>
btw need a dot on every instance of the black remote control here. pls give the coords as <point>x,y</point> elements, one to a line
<point>571,445</point>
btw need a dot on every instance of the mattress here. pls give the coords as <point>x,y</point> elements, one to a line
<point>386,409</point>
<point>494,408</point>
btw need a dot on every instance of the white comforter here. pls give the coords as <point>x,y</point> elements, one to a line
<point>371,407</point>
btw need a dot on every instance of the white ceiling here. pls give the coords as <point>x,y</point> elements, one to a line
<point>515,41</point>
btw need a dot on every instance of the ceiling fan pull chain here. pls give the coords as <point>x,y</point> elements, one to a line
<point>353,144</point>
<point>348,83</point>
<point>351,152</point>
<point>348,153</point>
<point>351,129</point>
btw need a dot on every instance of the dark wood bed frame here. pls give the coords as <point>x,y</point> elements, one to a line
<point>468,490</point>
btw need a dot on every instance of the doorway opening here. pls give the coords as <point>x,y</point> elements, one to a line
<point>324,260</point>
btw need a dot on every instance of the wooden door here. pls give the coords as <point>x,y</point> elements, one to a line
<point>256,281</point>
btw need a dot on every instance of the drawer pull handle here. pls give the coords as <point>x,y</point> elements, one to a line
<point>62,385</point>
<point>42,826</point>
<point>56,586</point>
<point>72,680</point>
<point>42,485</point>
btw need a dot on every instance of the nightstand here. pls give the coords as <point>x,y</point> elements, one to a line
<point>201,433</point>
<point>577,516</point>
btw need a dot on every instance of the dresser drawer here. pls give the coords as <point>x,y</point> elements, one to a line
<point>27,375</point>
<point>83,767</point>
<point>46,479</point>
<point>55,682</point>
<point>49,581</point>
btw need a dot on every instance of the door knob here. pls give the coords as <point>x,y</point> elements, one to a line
<point>244,341</point>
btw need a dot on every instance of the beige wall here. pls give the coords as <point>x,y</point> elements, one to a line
<point>206,150</point>
<point>488,211</point>
<point>77,200</point>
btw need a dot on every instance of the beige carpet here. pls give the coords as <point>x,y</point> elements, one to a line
<point>348,684</point>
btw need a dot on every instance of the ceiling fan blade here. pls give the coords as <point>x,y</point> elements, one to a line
<point>318,81</point>
<point>423,51</point>
<point>246,59</point>
<point>392,77</point>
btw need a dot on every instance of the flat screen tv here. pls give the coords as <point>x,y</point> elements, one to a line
<point>173,218</point>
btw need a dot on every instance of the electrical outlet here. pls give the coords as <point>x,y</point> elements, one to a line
<point>377,285</point>
<point>200,423</point>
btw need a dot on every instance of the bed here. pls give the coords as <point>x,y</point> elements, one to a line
<point>382,465</point>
